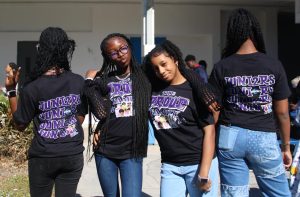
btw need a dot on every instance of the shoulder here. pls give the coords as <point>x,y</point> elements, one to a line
<point>268,58</point>
<point>75,76</point>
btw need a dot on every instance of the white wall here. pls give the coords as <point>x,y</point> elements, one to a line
<point>195,29</point>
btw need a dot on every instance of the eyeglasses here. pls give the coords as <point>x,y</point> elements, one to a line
<point>123,50</point>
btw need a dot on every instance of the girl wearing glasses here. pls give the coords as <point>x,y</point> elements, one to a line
<point>183,126</point>
<point>119,97</point>
<point>53,102</point>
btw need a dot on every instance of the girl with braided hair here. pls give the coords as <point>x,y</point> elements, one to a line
<point>254,92</point>
<point>119,97</point>
<point>53,100</point>
<point>184,128</point>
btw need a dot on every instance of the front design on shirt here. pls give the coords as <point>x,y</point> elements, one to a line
<point>251,93</point>
<point>121,97</point>
<point>58,117</point>
<point>165,109</point>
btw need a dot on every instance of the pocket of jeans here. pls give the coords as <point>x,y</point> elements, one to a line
<point>227,138</point>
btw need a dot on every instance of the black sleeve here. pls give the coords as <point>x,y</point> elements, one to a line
<point>215,80</point>
<point>205,118</point>
<point>26,108</point>
<point>99,103</point>
<point>281,87</point>
<point>82,109</point>
<point>203,92</point>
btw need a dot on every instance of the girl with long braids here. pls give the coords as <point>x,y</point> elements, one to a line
<point>53,101</point>
<point>184,128</point>
<point>119,97</point>
<point>254,92</point>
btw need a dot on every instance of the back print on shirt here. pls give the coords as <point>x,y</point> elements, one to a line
<point>251,93</point>
<point>58,117</point>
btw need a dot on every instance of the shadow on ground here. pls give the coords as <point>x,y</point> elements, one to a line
<point>254,192</point>
<point>143,195</point>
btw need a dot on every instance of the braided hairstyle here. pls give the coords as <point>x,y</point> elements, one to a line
<point>141,94</point>
<point>203,94</point>
<point>241,26</point>
<point>54,49</point>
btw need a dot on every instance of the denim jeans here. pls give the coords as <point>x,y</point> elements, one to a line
<point>240,149</point>
<point>63,172</point>
<point>178,181</point>
<point>131,172</point>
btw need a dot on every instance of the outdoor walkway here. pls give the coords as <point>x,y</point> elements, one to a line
<point>89,185</point>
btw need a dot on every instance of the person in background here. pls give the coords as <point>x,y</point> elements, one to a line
<point>54,102</point>
<point>203,64</point>
<point>12,71</point>
<point>254,92</point>
<point>295,93</point>
<point>183,126</point>
<point>190,61</point>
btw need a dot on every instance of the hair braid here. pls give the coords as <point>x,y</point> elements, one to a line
<point>241,26</point>
<point>203,94</point>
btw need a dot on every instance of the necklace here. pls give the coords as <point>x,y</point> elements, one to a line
<point>120,77</point>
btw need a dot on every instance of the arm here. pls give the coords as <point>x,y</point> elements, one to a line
<point>90,74</point>
<point>10,85</point>
<point>97,100</point>
<point>80,118</point>
<point>13,106</point>
<point>208,149</point>
<point>281,110</point>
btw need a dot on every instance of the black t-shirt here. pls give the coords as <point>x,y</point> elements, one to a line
<point>247,85</point>
<point>119,137</point>
<point>173,117</point>
<point>53,103</point>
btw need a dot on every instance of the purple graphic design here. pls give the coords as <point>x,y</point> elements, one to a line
<point>250,93</point>
<point>58,118</point>
<point>121,97</point>
<point>165,108</point>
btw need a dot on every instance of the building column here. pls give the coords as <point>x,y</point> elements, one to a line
<point>148,27</point>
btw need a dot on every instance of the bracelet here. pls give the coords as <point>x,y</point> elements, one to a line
<point>11,93</point>
<point>203,179</point>
<point>286,144</point>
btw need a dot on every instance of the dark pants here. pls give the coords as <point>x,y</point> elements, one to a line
<point>63,172</point>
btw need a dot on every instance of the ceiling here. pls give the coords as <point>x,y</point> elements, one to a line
<point>206,2</point>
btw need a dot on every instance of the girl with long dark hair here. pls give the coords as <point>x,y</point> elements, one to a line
<point>254,92</point>
<point>119,97</point>
<point>183,126</point>
<point>53,101</point>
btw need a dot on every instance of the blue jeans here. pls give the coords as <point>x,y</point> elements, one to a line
<point>130,172</point>
<point>178,181</point>
<point>240,149</point>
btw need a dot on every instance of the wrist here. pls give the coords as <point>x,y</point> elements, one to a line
<point>11,93</point>
<point>11,87</point>
<point>202,179</point>
<point>285,146</point>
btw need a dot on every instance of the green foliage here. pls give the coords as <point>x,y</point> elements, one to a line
<point>17,186</point>
<point>13,143</point>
